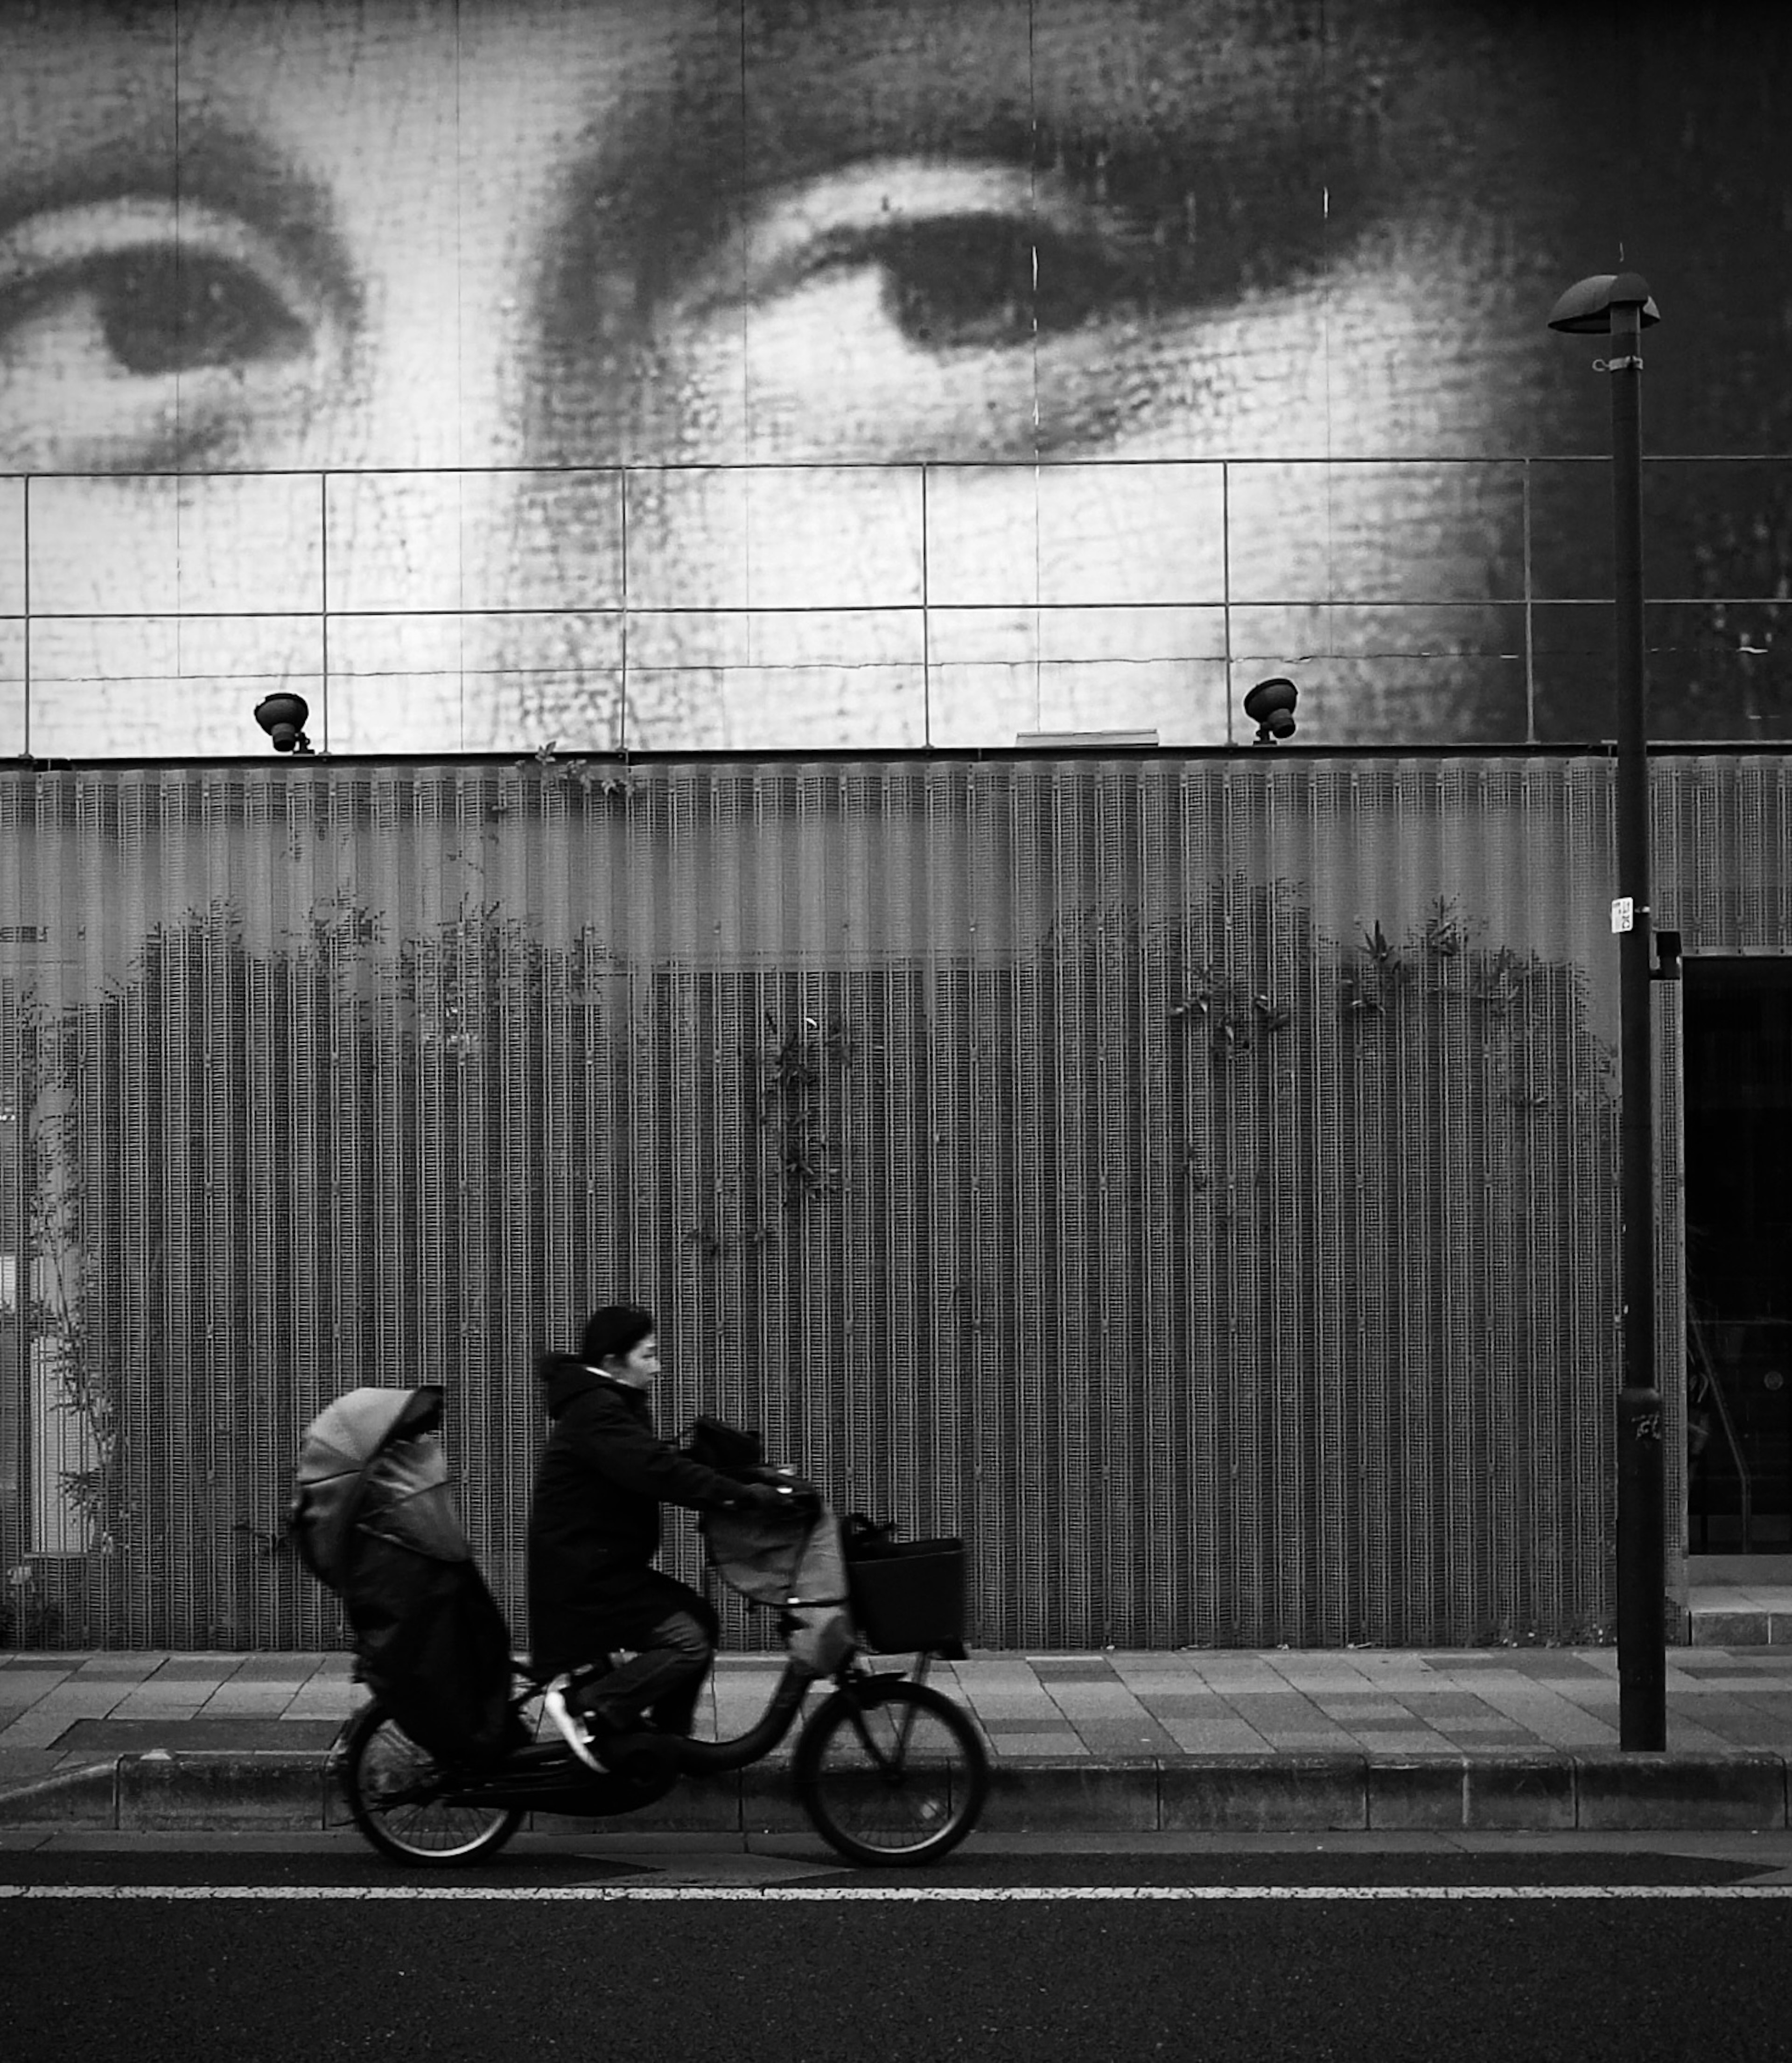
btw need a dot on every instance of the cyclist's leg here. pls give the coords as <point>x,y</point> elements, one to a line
<point>674,1711</point>
<point>673,1632</point>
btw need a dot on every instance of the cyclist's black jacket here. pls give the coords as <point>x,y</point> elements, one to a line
<point>594,1520</point>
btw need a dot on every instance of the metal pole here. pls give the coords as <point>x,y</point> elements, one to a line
<point>1641,1626</point>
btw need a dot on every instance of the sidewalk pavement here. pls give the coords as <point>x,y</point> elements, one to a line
<point>1262,1741</point>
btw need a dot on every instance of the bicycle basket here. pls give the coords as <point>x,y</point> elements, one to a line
<point>909,1595</point>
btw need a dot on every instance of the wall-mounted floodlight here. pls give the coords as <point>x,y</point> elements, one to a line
<point>282,716</point>
<point>1270,706</point>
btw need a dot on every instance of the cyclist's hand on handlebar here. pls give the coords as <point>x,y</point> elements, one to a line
<point>791,1500</point>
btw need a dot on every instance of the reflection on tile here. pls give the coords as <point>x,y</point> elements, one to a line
<point>1112,533</point>
<point>208,543</point>
<point>475,541</point>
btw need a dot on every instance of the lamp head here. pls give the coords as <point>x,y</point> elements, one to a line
<point>1270,706</point>
<point>1585,309</point>
<point>282,716</point>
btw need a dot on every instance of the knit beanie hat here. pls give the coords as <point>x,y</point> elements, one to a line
<point>615,1329</point>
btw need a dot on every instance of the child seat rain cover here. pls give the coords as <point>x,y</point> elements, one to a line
<point>374,1520</point>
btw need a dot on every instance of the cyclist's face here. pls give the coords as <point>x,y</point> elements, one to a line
<point>475,245</point>
<point>639,1365</point>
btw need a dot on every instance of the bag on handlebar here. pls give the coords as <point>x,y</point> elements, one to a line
<point>770,1561</point>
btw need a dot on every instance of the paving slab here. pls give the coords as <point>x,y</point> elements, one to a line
<point>1510,1738</point>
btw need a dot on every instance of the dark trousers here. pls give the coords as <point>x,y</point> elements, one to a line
<point>673,1632</point>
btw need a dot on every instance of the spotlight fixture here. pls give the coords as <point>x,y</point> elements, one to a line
<point>282,716</point>
<point>1270,706</point>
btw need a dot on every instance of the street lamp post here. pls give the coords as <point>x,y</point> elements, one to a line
<point>1618,306</point>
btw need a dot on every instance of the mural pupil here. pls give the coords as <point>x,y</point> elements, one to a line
<point>163,311</point>
<point>963,283</point>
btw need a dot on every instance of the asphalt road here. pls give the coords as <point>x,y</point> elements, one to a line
<point>1353,1949</point>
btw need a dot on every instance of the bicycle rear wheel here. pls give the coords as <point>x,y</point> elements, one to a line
<point>399,1797</point>
<point>891,1773</point>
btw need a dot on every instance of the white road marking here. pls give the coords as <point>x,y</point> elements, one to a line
<point>903,1894</point>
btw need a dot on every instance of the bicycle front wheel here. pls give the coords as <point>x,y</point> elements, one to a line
<point>891,1773</point>
<point>401,1800</point>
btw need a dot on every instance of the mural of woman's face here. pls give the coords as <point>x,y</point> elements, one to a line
<point>397,291</point>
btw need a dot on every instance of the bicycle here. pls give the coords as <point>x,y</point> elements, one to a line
<point>890,1771</point>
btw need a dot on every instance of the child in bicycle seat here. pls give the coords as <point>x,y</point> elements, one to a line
<point>593,1531</point>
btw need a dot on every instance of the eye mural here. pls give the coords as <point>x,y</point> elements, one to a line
<point>880,374</point>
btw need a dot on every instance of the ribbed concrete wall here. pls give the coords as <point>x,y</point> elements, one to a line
<point>1193,1179</point>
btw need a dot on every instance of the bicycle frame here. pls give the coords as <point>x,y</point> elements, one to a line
<point>546,1777</point>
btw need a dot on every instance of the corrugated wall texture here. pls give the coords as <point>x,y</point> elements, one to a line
<point>1192,1178</point>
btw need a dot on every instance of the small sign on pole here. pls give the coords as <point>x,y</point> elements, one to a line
<point>1624,914</point>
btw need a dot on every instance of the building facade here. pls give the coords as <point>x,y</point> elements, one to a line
<point>1191,1177</point>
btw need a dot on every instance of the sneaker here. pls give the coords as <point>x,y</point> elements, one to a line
<point>572,1729</point>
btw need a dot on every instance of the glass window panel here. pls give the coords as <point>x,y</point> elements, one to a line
<point>211,544</point>
<point>1371,676</point>
<point>1715,670</point>
<point>981,703</point>
<point>1411,532</point>
<point>1571,529</point>
<point>1131,533</point>
<point>774,537</point>
<point>1132,635</point>
<point>982,535</point>
<point>475,541</point>
<point>12,547</point>
<point>715,680</point>
<point>13,729</point>
<point>160,686</point>
<point>1182,700</point>
<point>475,682</point>
<point>1717,527</point>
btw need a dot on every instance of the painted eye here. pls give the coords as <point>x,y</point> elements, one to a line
<point>990,282</point>
<point>166,310</point>
<point>134,334</point>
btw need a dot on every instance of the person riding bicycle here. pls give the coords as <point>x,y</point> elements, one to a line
<point>593,1531</point>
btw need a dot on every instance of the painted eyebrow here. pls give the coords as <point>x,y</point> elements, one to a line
<point>192,160</point>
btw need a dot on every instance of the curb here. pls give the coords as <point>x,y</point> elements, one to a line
<point>224,1791</point>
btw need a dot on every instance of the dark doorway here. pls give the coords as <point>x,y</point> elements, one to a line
<point>1738,1117</point>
